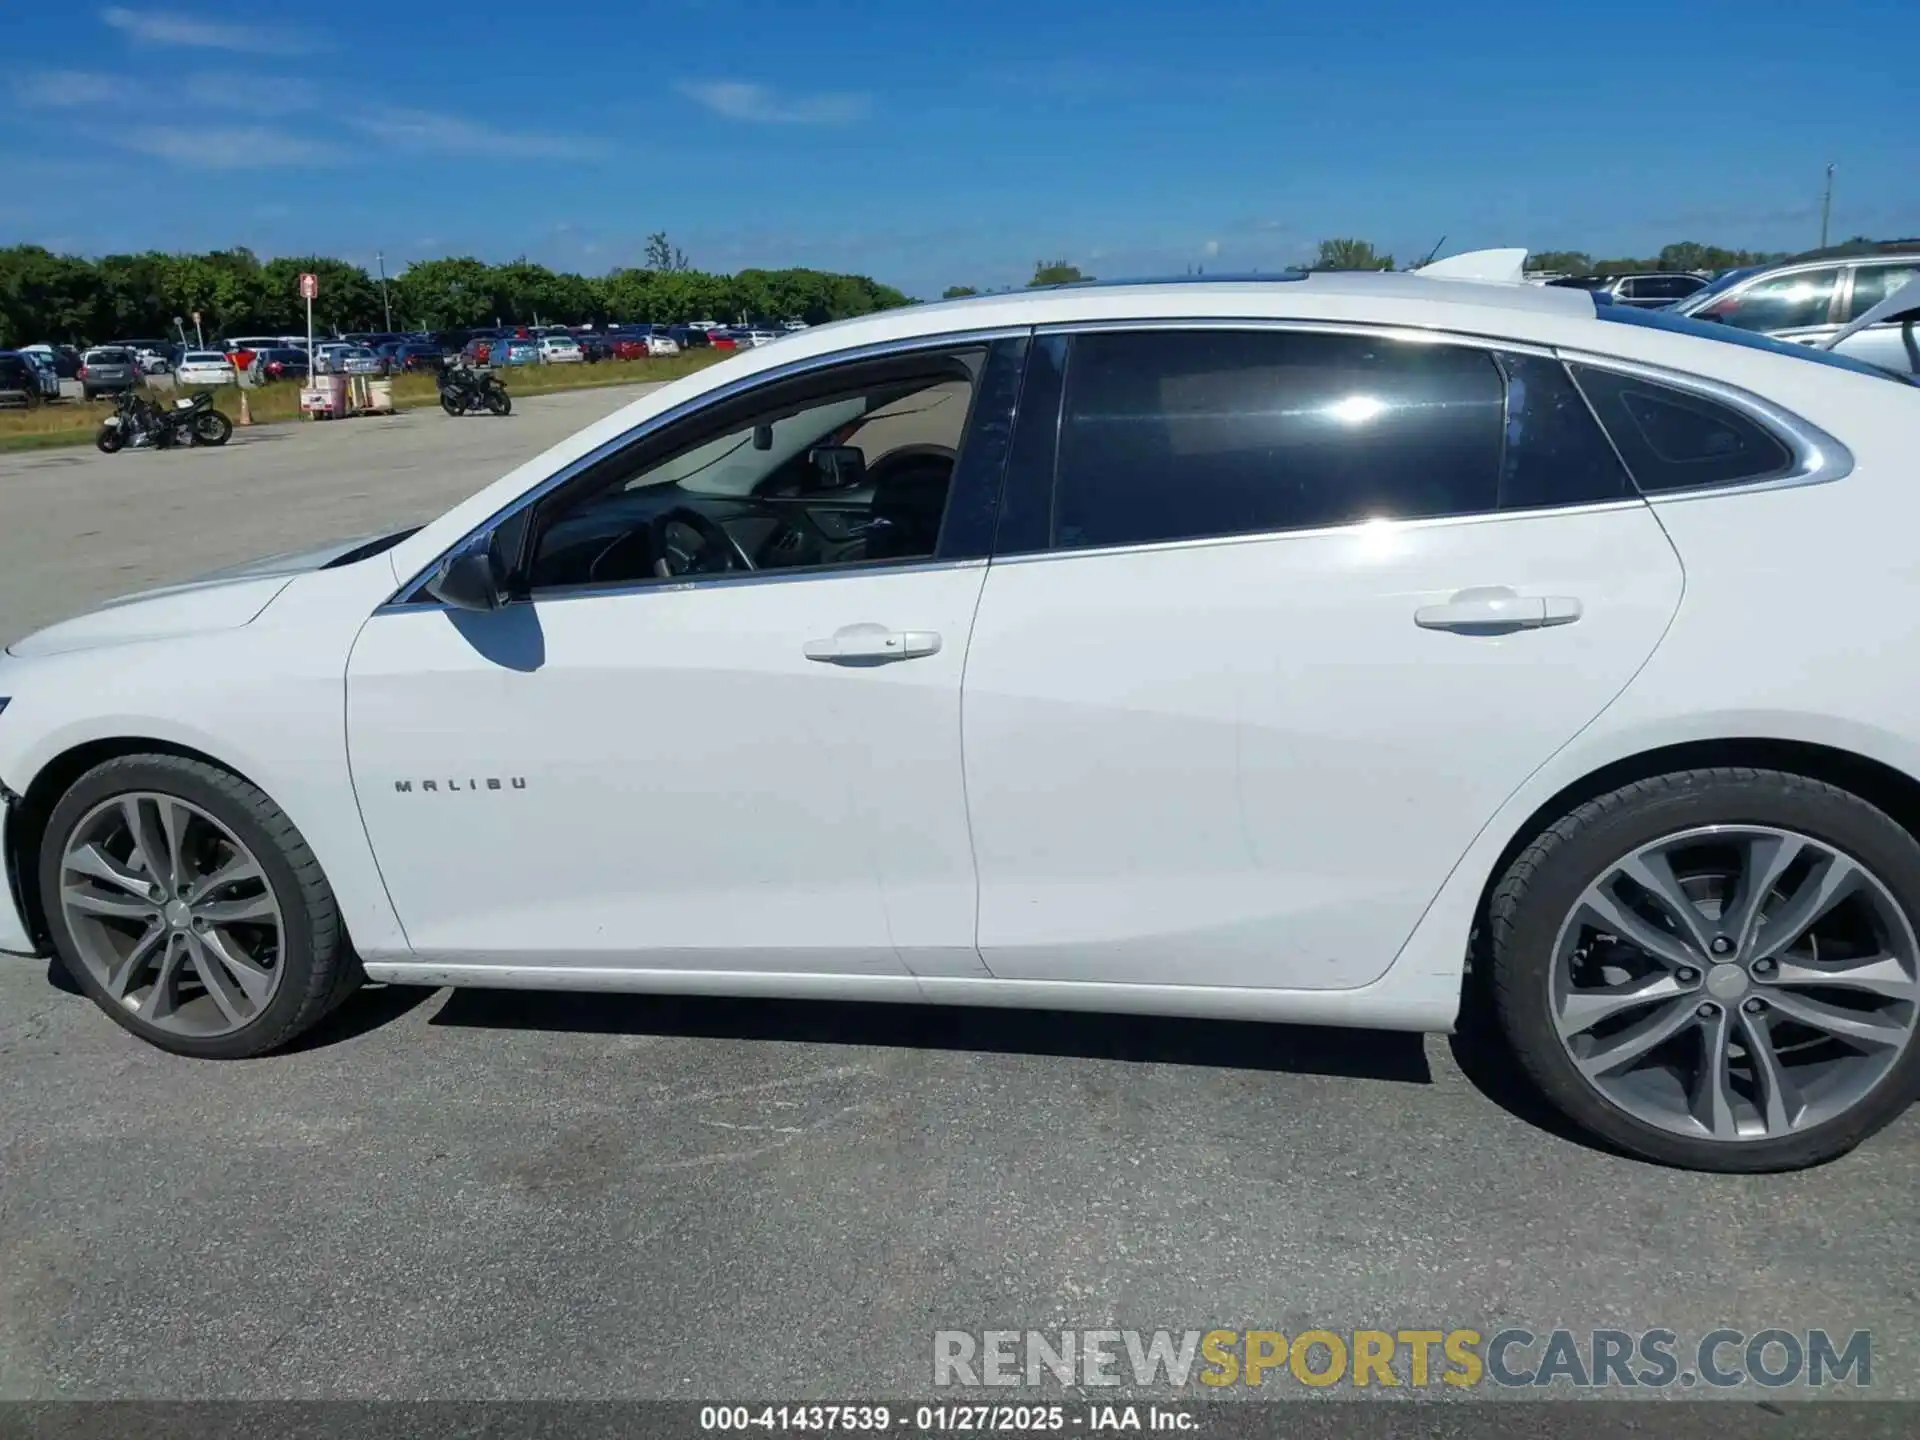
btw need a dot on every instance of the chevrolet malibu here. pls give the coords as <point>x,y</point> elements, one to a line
<point>1337,649</point>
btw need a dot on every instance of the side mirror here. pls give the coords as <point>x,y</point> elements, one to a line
<point>469,580</point>
<point>763,437</point>
<point>840,467</point>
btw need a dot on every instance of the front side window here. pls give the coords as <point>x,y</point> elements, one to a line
<point>835,475</point>
<point>1676,440</point>
<point>1171,435</point>
<point>1781,302</point>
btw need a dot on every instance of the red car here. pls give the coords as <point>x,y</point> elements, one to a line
<point>630,347</point>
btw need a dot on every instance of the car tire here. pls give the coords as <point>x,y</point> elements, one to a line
<point>1537,901</point>
<point>310,961</point>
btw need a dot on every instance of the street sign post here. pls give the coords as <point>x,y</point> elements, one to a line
<point>309,287</point>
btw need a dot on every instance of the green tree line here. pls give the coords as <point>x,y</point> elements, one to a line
<point>68,298</point>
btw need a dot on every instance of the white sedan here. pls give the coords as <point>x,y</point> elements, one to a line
<point>1338,649</point>
<point>203,367</point>
<point>560,350</point>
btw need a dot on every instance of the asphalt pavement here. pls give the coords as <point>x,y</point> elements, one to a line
<point>480,1195</point>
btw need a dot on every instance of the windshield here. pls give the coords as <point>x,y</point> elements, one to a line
<point>1676,324</point>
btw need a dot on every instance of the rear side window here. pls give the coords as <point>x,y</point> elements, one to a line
<point>1874,283</point>
<point>1172,435</point>
<point>1676,440</point>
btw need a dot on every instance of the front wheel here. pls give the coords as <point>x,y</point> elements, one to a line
<point>451,403</point>
<point>212,428</point>
<point>191,910</point>
<point>1716,969</point>
<point>109,439</point>
<point>499,402</point>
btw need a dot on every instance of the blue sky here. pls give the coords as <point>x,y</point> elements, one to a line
<point>930,145</point>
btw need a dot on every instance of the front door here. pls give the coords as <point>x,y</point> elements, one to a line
<point>721,729</point>
<point>1309,607</point>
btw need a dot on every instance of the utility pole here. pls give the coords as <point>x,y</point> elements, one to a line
<point>1826,207</point>
<point>380,259</point>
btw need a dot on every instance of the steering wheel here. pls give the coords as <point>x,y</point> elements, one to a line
<point>672,561</point>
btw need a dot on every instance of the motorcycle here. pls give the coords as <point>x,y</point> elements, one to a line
<point>139,423</point>
<point>464,391</point>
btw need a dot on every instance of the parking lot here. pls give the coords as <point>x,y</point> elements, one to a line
<point>510,1195</point>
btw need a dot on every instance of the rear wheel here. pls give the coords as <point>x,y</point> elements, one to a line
<point>187,905</point>
<point>1716,969</point>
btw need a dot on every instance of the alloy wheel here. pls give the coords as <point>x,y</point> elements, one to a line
<point>1735,983</point>
<point>172,914</point>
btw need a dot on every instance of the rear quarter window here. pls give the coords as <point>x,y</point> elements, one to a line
<point>1673,439</point>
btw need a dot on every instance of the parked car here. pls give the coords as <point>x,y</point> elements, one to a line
<point>559,350</point>
<point>1650,291</point>
<point>1528,649</point>
<point>64,360</point>
<point>280,362</point>
<point>203,367</point>
<point>479,350</point>
<point>722,339</point>
<point>763,337</point>
<point>1810,300</point>
<point>19,381</point>
<point>595,347</point>
<point>514,351</point>
<point>407,356</point>
<point>108,370</point>
<point>154,359</point>
<point>687,337</point>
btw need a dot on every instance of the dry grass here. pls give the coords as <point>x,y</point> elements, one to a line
<point>73,422</point>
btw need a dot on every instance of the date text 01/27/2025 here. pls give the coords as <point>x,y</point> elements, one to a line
<point>945,1419</point>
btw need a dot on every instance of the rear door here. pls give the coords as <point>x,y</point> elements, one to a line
<point>1300,611</point>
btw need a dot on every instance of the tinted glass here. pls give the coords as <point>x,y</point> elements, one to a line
<point>109,357</point>
<point>1674,440</point>
<point>1677,324</point>
<point>1170,435</point>
<point>1781,302</point>
<point>1555,453</point>
<point>1874,283</point>
<point>1665,287</point>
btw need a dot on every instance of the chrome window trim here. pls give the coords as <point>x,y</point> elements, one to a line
<point>1819,458</point>
<point>1384,524</point>
<point>879,350</point>
<point>732,579</point>
<point>1398,330</point>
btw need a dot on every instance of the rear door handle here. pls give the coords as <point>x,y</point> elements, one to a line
<point>1495,610</point>
<point>872,645</point>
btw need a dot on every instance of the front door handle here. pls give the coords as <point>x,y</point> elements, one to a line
<point>1496,610</point>
<point>872,645</point>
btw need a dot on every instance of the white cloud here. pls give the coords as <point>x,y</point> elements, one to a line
<point>219,146</point>
<point>429,132</point>
<point>742,100</point>
<point>160,27</point>
<point>63,89</point>
<point>256,94</point>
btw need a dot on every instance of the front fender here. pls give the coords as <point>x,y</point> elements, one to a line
<point>267,701</point>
